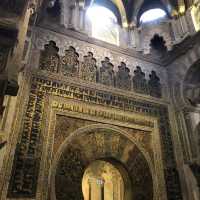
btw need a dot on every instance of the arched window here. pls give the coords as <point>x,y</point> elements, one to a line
<point>104,24</point>
<point>155,14</point>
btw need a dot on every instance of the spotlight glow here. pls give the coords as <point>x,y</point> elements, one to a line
<point>152,15</point>
<point>100,15</point>
<point>104,24</point>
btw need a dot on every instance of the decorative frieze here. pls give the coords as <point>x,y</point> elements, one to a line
<point>101,113</point>
<point>26,163</point>
<point>88,71</point>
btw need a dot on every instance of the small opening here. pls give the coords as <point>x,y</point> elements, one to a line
<point>104,24</point>
<point>158,44</point>
<point>104,180</point>
<point>151,15</point>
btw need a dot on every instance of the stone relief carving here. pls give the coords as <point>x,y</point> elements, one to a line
<point>23,181</point>
<point>154,85</point>
<point>69,65</point>
<point>73,162</point>
<point>26,163</point>
<point>107,73</point>
<point>70,62</point>
<point>88,68</point>
<point>49,59</point>
<point>139,81</point>
<point>123,78</point>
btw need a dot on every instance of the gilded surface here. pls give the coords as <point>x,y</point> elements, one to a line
<point>127,153</point>
<point>31,138</point>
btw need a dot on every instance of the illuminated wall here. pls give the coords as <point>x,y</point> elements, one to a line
<point>195,12</point>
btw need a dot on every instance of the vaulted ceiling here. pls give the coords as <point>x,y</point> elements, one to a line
<point>129,11</point>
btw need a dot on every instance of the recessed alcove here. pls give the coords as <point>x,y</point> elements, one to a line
<point>103,180</point>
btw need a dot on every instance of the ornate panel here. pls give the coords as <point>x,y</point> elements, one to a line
<point>69,65</point>
<point>88,71</point>
<point>28,152</point>
<point>139,81</point>
<point>23,182</point>
<point>88,68</point>
<point>42,37</point>
<point>75,159</point>
<point>123,78</point>
<point>49,59</point>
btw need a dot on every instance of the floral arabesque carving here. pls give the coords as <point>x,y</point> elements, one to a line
<point>69,65</point>
<point>123,78</point>
<point>70,62</point>
<point>88,68</point>
<point>49,58</point>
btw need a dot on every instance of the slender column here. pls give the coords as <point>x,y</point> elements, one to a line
<point>100,182</point>
<point>89,193</point>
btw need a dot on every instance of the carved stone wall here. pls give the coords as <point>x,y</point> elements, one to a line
<point>25,170</point>
<point>58,86</point>
<point>105,67</point>
<point>42,37</point>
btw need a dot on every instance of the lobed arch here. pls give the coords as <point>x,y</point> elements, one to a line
<point>149,34</point>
